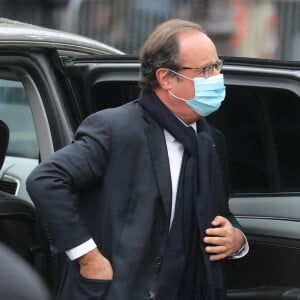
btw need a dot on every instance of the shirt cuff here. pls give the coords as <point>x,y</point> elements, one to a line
<point>81,249</point>
<point>243,251</point>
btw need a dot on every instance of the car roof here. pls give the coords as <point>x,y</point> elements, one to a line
<point>15,33</point>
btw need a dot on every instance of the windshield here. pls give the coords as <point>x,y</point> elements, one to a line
<point>245,28</point>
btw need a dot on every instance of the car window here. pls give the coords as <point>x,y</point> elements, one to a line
<point>262,130</point>
<point>16,113</point>
<point>23,151</point>
<point>113,94</point>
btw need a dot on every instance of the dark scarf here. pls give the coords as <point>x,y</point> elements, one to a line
<point>187,273</point>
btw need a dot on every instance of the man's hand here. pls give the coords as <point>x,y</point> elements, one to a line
<point>94,265</point>
<point>222,239</point>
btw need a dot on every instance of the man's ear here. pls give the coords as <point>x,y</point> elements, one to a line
<point>163,78</point>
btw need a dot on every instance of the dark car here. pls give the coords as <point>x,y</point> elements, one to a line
<point>50,81</point>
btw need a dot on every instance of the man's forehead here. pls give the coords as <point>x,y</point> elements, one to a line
<point>196,47</point>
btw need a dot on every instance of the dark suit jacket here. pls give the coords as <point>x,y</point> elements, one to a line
<point>113,184</point>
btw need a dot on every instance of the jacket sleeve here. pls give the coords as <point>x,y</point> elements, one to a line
<point>55,183</point>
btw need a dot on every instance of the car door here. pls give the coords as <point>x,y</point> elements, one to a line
<point>40,118</point>
<point>260,120</point>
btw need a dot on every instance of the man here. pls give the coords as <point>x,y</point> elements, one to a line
<point>139,200</point>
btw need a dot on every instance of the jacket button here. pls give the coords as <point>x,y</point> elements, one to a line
<point>150,295</point>
<point>158,260</point>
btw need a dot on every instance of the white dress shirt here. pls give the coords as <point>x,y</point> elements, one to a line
<point>175,153</point>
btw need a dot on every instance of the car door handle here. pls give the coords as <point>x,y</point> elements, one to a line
<point>265,293</point>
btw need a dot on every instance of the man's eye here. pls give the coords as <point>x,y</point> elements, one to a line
<point>201,71</point>
<point>209,68</point>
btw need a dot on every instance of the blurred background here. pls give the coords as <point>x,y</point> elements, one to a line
<point>251,28</point>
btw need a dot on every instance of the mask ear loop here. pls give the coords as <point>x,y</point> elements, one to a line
<point>176,97</point>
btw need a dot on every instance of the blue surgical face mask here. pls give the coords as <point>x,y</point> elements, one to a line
<point>209,94</point>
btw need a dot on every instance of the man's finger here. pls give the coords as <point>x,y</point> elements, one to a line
<point>215,249</point>
<point>213,240</point>
<point>219,221</point>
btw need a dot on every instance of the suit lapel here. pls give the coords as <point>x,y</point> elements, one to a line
<point>159,155</point>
